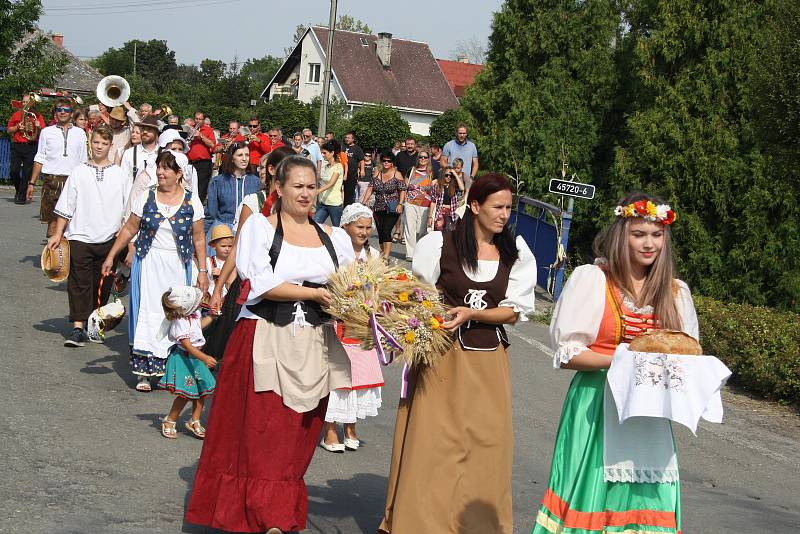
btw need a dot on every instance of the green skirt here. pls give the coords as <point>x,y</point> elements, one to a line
<point>578,499</point>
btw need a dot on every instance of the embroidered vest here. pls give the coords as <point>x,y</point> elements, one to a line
<point>459,290</point>
<point>181,223</point>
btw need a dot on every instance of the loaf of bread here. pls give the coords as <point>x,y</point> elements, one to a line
<point>666,342</point>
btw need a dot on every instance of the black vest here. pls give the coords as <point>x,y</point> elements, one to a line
<point>282,313</point>
<point>459,290</point>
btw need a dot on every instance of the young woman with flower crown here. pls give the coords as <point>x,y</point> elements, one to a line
<point>607,477</point>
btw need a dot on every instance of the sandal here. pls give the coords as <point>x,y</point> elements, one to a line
<point>195,428</point>
<point>168,429</point>
<point>143,385</point>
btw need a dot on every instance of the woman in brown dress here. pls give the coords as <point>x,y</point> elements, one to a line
<point>453,444</point>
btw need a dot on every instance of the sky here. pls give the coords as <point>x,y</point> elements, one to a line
<point>228,29</point>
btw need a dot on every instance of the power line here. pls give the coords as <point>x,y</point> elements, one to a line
<point>129,9</point>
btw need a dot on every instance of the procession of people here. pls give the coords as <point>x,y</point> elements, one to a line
<point>226,244</point>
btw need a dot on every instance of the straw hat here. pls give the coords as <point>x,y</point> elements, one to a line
<point>55,263</point>
<point>220,231</point>
<point>119,114</point>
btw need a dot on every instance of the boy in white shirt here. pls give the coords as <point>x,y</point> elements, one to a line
<point>89,214</point>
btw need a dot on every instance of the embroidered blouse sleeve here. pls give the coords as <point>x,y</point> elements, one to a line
<point>577,314</point>
<point>427,256</point>
<point>252,256</point>
<point>522,282</point>
<point>686,310</point>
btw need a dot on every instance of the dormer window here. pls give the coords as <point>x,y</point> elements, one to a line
<point>363,41</point>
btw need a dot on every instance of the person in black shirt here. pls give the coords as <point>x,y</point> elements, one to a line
<point>407,158</point>
<point>355,167</point>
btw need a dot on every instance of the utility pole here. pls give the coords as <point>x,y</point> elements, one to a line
<point>326,83</point>
<point>134,59</point>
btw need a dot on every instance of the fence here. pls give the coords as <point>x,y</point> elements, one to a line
<point>541,235</point>
<point>5,155</point>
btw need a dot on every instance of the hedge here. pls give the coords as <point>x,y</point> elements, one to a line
<point>760,345</point>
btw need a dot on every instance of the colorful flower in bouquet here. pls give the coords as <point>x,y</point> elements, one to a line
<point>391,310</point>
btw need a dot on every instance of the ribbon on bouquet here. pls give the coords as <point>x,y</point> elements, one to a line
<point>380,334</point>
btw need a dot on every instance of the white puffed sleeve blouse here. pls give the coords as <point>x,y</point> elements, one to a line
<point>521,282</point>
<point>295,264</point>
<point>579,311</point>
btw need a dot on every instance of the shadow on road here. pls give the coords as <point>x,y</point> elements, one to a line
<point>56,325</point>
<point>361,497</point>
<point>36,261</point>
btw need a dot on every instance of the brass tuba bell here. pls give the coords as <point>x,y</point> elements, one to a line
<point>113,91</point>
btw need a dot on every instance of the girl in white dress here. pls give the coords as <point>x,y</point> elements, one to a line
<point>363,398</point>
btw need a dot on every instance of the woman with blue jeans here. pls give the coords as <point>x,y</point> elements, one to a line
<point>228,189</point>
<point>331,197</point>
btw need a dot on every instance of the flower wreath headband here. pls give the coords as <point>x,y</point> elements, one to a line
<point>648,211</point>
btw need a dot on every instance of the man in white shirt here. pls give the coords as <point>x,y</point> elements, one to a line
<point>142,157</point>
<point>310,144</point>
<point>90,210</point>
<point>61,148</point>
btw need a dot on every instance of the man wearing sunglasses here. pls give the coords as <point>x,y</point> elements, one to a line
<point>61,148</point>
<point>258,142</point>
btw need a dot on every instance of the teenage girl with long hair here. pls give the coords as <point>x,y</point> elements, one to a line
<point>629,290</point>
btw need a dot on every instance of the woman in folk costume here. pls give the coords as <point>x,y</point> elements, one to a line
<point>281,363</point>
<point>607,477</point>
<point>363,398</point>
<point>167,221</point>
<point>453,442</point>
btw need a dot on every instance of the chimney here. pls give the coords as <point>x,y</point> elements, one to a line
<point>462,59</point>
<point>384,49</point>
<point>58,39</point>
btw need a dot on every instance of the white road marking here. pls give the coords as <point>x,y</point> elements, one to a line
<point>535,343</point>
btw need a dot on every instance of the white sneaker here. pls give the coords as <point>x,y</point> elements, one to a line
<point>332,447</point>
<point>351,444</point>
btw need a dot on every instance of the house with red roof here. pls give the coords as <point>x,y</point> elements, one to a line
<point>460,74</point>
<point>368,70</point>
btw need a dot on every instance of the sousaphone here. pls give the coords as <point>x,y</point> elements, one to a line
<point>113,91</point>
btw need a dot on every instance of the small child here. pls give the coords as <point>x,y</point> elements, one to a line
<point>221,240</point>
<point>187,373</point>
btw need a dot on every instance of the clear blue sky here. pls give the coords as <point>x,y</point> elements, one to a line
<point>224,29</point>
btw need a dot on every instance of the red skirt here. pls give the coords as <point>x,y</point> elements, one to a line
<point>256,451</point>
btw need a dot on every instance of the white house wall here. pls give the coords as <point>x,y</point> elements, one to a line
<point>420,123</point>
<point>309,54</point>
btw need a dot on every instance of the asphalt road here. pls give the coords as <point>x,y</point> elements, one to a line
<point>80,450</point>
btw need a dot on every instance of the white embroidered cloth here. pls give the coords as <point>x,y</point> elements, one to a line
<point>680,388</point>
<point>644,392</point>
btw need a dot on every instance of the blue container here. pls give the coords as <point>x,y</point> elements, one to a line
<point>536,222</point>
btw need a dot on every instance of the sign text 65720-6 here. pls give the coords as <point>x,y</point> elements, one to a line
<point>572,189</point>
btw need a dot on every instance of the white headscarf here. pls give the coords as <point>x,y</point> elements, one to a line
<point>168,136</point>
<point>354,212</point>
<point>186,299</point>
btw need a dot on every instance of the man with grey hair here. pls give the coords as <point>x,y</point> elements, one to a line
<point>310,144</point>
<point>173,120</point>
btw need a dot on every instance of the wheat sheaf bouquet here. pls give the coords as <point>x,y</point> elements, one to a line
<point>389,309</point>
